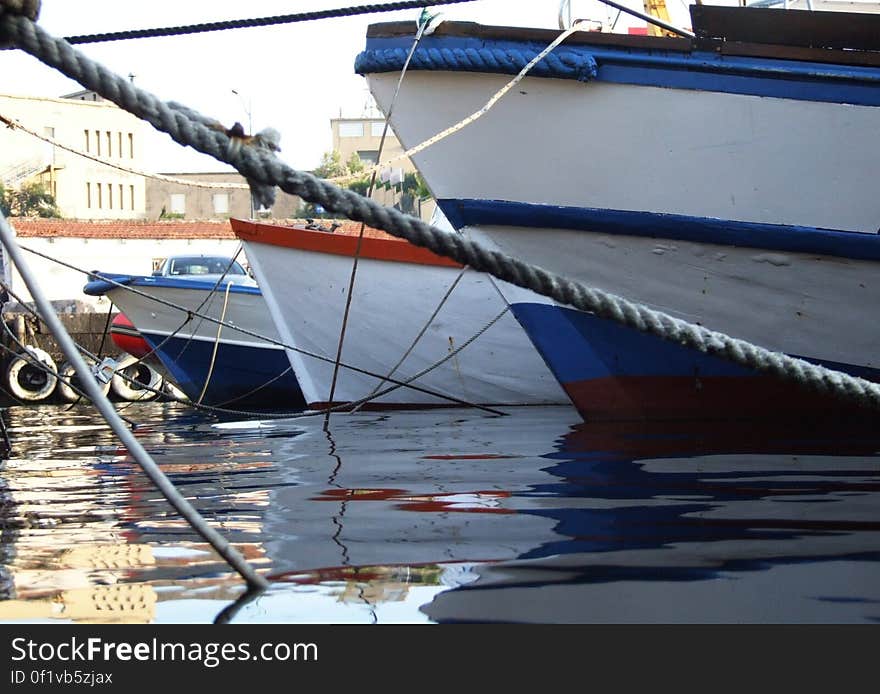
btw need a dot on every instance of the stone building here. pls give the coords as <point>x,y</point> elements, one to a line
<point>212,195</point>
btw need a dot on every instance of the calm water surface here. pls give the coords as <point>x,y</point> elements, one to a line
<point>444,516</point>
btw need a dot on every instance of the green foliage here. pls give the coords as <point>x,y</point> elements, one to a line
<point>331,165</point>
<point>414,184</point>
<point>355,164</point>
<point>411,189</point>
<point>33,200</point>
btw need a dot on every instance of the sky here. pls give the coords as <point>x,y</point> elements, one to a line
<point>292,77</point>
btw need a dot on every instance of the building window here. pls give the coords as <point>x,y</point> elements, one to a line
<point>110,195</point>
<point>87,139</point>
<point>119,151</point>
<point>98,142</point>
<point>221,203</point>
<point>131,145</point>
<point>88,190</point>
<point>121,202</point>
<point>109,144</point>
<point>178,203</point>
<point>376,128</point>
<point>100,196</point>
<point>369,156</point>
<point>351,129</point>
<point>131,193</point>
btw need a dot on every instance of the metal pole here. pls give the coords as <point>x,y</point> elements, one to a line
<point>651,20</point>
<point>105,407</point>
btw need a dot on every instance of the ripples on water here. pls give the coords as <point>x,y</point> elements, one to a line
<point>442,516</point>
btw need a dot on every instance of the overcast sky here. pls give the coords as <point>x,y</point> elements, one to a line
<point>293,77</point>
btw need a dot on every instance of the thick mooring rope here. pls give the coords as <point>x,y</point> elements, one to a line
<point>263,167</point>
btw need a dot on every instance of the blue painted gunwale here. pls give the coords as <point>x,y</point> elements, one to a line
<point>579,346</point>
<point>776,237</point>
<point>99,287</point>
<point>696,70</point>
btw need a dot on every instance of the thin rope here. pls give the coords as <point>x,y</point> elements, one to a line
<point>216,345</point>
<point>421,332</point>
<point>255,22</point>
<point>357,251</point>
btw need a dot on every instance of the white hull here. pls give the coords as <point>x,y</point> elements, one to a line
<point>796,303</point>
<point>393,300</point>
<point>645,149</point>
<point>247,311</point>
<point>733,192</point>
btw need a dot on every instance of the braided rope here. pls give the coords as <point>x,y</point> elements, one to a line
<point>256,22</point>
<point>260,165</point>
<point>507,61</point>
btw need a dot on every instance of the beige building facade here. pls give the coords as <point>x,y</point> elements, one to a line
<point>83,187</point>
<point>363,136</point>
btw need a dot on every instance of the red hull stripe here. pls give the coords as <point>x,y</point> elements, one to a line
<point>390,249</point>
<point>697,397</point>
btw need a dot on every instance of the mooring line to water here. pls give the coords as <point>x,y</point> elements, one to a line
<point>360,239</point>
<point>216,344</point>
<point>417,338</point>
<point>90,385</point>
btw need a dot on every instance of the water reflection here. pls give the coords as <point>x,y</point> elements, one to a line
<point>443,516</point>
<point>730,521</point>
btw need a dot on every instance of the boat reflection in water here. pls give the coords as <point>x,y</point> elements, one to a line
<point>447,516</point>
<point>716,521</point>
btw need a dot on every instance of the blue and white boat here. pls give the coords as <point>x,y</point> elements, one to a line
<point>237,365</point>
<point>728,180</point>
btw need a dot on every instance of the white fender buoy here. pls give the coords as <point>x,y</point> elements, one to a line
<point>66,377</point>
<point>173,392</point>
<point>27,381</point>
<point>144,383</point>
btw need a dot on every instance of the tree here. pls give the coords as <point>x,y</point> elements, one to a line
<point>33,200</point>
<point>331,165</point>
<point>5,208</point>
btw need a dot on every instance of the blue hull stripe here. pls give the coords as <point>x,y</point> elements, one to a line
<point>579,346</point>
<point>700,70</point>
<point>238,370</point>
<point>776,237</point>
<point>99,287</point>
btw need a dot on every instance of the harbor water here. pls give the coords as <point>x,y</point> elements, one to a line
<point>448,515</point>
